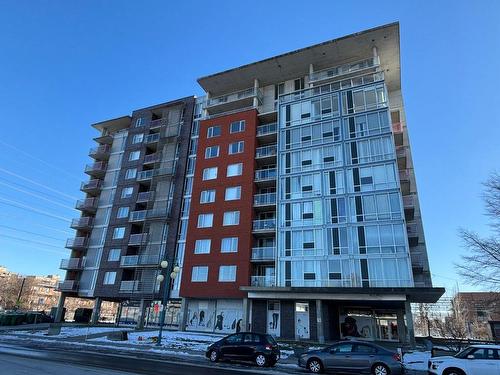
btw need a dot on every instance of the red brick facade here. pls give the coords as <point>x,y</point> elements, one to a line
<point>213,288</point>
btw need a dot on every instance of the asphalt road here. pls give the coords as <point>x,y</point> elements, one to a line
<point>19,360</point>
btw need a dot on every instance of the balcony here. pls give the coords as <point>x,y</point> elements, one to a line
<point>137,216</point>
<point>236,100</point>
<point>97,169</point>
<point>72,264</point>
<point>159,213</point>
<point>87,205</point>
<point>402,155</point>
<point>168,169</point>
<point>92,187</point>
<point>76,243</point>
<point>397,131</point>
<point>264,200</point>
<point>100,152</point>
<point>82,223</point>
<point>151,158</point>
<point>267,133</point>
<point>411,230</point>
<point>139,260</point>
<point>263,281</point>
<point>151,138</point>
<point>138,239</point>
<point>265,225</point>
<point>263,254</point>
<point>129,286</point>
<point>171,130</point>
<point>104,139</point>
<point>338,71</point>
<point>404,181</point>
<point>266,153</point>
<point>409,207</point>
<point>67,285</point>
<point>145,196</point>
<point>156,123</point>
<point>265,177</point>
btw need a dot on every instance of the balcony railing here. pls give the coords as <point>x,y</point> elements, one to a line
<point>162,212</point>
<point>94,184</point>
<point>151,138</point>
<point>267,129</point>
<point>165,171</point>
<point>86,204</point>
<point>411,229</point>
<point>138,215</point>
<point>155,123</point>
<point>408,201</point>
<point>266,151</point>
<point>404,175</point>
<point>145,196</point>
<point>265,174</point>
<point>138,239</point>
<point>76,242</point>
<point>129,286</point>
<point>100,151</point>
<point>151,158</point>
<point>67,285</point>
<point>397,127</point>
<point>265,199</point>
<point>264,225</point>
<point>82,222</point>
<point>72,264</point>
<point>401,152</point>
<point>263,281</point>
<point>338,71</point>
<point>139,260</point>
<point>235,96</point>
<point>97,167</point>
<point>263,253</point>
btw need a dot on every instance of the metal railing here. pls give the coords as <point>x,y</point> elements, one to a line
<point>263,253</point>
<point>266,151</point>
<point>76,242</point>
<point>340,70</point>
<point>263,281</point>
<point>234,96</point>
<point>264,225</point>
<point>265,174</point>
<point>82,222</point>
<point>139,260</point>
<point>138,239</point>
<point>267,129</point>
<point>265,199</point>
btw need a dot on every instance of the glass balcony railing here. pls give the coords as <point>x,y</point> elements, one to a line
<point>72,263</point>
<point>167,169</point>
<point>264,225</point>
<point>82,222</point>
<point>265,174</point>
<point>155,123</point>
<point>234,96</point>
<point>94,184</point>
<point>151,138</point>
<point>145,196</point>
<point>263,281</point>
<point>404,176</point>
<point>266,151</point>
<point>129,286</point>
<point>96,168</point>
<point>267,129</point>
<point>265,199</point>
<point>263,253</point>
<point>139,260</point>
<point>67,285</point>
<point>138,239</point>
<point>86,204</point>
<point>138,215</point>
<point>76,242</point>
<point>341,70</point>
<point>100,151</point>
<point>151,158</point>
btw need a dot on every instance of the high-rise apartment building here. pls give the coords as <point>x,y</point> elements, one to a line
<point>291,199</point>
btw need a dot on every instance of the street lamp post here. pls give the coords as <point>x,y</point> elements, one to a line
<point>160,278</point>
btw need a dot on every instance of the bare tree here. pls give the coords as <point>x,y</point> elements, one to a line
<point>481,265</point>
<point>453,326</point>
<point>9,290</point>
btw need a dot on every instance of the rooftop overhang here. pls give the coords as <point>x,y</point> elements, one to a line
<point>113,125</point>
<point>335,52</point>
<point>417,295</point>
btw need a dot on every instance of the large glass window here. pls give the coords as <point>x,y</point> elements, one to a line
<point>229,245</point>
<point>207,196</point>
<point>199,274</point>
<point>202,246</point>
<point>234,170</point>
<point>210,173</point>
<point>231,218</point>
<point>237,126</point>
<point>236,147</point>
<point>233,193</point>
<point>205,220</point>
<point>227,273</point>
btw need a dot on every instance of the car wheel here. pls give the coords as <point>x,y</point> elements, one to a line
<point>380,369</point>
<point>453,371</point>
<point>214,356</point>
<point>260,360</point>
<point>315,365</point>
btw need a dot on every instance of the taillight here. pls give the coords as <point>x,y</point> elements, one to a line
<point>269,347</point>
<point>396,357</point>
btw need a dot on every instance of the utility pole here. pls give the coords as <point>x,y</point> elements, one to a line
<point>20,293</point>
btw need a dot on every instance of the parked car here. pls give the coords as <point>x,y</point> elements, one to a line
<point>262,349</point>
<point>353,356</point>
<point>476,359</point>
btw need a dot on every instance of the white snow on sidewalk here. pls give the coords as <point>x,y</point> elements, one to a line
<point>71,331</point>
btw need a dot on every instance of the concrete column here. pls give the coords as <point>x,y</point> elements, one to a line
<point>401,326</point>
<point>256,87</point>
<point>244,318</point>
<point>409,323</point>
<point>319,321</point>
<point>118,314</point>
<point>311,71</point>
<point>184,314</point>
<point>142,313</point>
<point>96,311</point>
<point>375,51</point>
<point>60,308</point>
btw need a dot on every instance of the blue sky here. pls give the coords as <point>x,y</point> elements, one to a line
<point>65,65</point>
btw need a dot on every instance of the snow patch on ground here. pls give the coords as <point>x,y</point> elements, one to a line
<point>416,360</point>
<point>71,331</point>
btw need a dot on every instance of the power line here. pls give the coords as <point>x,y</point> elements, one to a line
<point>31,189</point>
<point>34,242</point>
<point>12,203</point>
<point>34,233</point>
<point>38,196</point>
<point>39,160</point>
<point>11,216</point>
<point>38,184</point>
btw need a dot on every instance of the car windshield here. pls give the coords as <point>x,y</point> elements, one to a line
<point>464,353</point>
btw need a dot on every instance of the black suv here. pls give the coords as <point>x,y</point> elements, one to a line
<point>246,346</point>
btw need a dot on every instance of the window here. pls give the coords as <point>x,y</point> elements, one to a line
<point>207,196</point>
<point>109,278</point>
<point>234,339</point>
<point>122,212</point>
<point>199,274</point>
<point>341,348</point>
<point>114,255</point>
<point>137,138</point>
<point>213,131</point>
<point>118,233</point>
<point>227,273</point>
<point>211,152</point>
<point>210,173</point>
<point>233,193</point>
<point>134,155</point>
<point>231,218</point>
<point>363,349</point>
<point>131,173</point>
<point>127,192</point>
<point>237,126</point>
<point>234,170</point>
<point>205,220</point>
<point>202,246</point>
<point>236,147</point>
<point>139,122</point>
<point>229,245</point>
